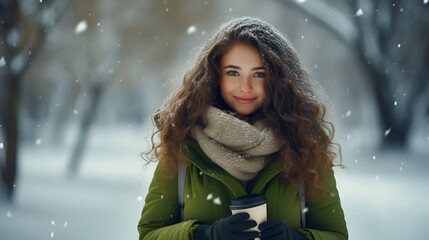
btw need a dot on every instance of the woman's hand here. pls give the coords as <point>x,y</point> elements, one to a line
<point>275,229</point>
<point>230,228</point>
<point>233,226</point>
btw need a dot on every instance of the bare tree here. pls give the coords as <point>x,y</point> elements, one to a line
<point>391,40</point>
<point>23,26</point>
<point>96,91</point>
<point>150,34</point>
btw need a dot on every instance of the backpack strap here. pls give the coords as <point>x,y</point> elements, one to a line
<point>181,177</point>
<point>302,203</point>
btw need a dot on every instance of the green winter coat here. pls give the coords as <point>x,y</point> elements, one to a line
<point>209,190</point>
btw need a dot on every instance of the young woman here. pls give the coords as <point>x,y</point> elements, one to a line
<point>244,121</point>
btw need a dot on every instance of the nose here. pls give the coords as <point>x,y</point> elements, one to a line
<point>246,85</point>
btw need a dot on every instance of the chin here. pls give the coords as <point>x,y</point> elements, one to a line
<point>245,113</point>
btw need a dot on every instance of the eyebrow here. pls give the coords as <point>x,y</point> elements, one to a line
<point>237,67</point>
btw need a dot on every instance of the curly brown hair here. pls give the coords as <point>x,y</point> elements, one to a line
<point>290,107</point>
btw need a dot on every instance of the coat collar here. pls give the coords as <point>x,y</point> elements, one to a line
<point>198,158</point>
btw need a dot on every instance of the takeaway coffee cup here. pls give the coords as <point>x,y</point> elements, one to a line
<point>253,204</point>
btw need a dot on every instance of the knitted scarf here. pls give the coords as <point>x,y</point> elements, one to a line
<point>235,145</point>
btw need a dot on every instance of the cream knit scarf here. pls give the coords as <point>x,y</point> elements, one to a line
<point>235,145</point>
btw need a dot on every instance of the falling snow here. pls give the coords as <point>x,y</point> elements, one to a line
<point>38,141</point>
<point>81,27</point>
<point>191,29</point>
<point>2,62</point>
<point>217,201</point>
<point>139,198</point>
<point>425,1</point>
<point>9,214</point>
<point>53,222</point>
<point>348,113</point>
<point>359,12</point>
<point>1,145</point>
<point>305,210</point>
<point>210,196</point>
<point>387,131</point>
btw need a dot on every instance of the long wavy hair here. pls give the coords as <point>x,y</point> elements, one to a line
<point>290,107</point>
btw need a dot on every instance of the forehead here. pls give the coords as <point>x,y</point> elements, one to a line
<point>241,54</point>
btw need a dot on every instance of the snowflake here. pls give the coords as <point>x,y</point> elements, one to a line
<point>217,201</point>
<point>2,62</point>
<point>191,29</point>
<point>305,210</point>
<point>210,196</point>
<point>348,113</point>
<point>387,131</point>
<point>81,27</point>
<point>359,12</point>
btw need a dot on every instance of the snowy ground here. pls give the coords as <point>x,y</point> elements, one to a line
<point>384,195</point>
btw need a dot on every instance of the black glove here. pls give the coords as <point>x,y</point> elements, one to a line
<point>230,228</point>
<point>275,229</point>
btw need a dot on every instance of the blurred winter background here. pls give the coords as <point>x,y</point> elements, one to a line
<point>80,80</point>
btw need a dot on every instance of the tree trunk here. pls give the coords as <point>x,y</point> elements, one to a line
<point>10,116</point>
<point>86,123</point>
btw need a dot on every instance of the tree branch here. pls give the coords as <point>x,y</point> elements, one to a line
<point>334,20</point>
<point>21,61</point>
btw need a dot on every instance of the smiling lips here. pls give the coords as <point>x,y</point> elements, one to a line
<point>244,100</point>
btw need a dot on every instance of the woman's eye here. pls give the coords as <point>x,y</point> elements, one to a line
<point>232,73</point>
<point>259,74</point>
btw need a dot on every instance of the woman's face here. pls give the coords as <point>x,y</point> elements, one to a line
<point>242,78</point>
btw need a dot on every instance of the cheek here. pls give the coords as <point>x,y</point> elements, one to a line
<point>224,86</point>
<point>261,89</point>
